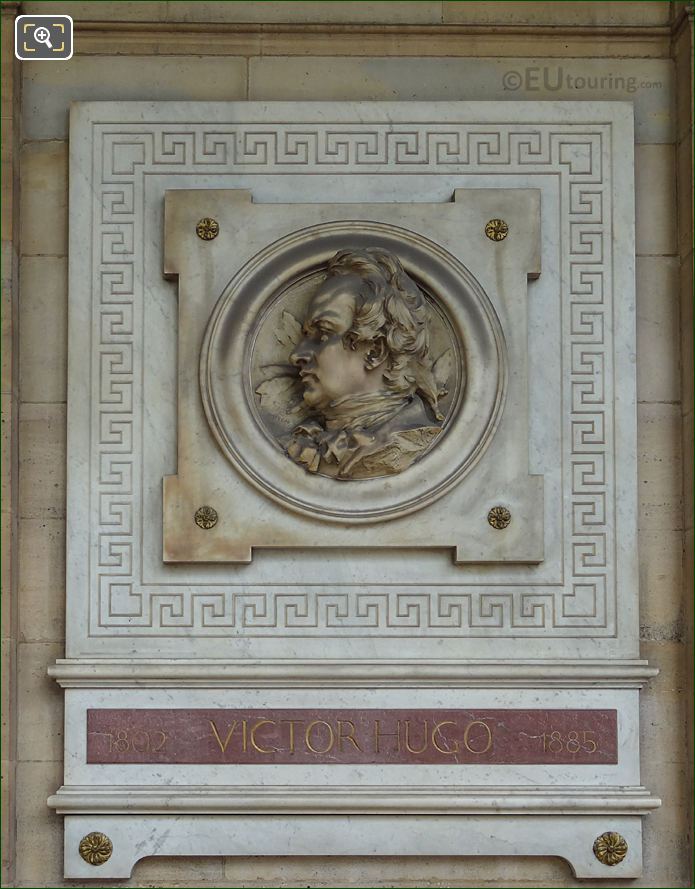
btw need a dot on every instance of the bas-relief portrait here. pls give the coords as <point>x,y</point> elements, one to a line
<point>359,374</point>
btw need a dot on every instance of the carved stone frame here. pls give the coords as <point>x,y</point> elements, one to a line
<point>126,156</point>
<point>482,459</point>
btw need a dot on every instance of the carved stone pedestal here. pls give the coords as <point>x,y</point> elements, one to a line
<point>139,836</point>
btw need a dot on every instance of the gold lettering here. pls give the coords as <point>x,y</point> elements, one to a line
<point>223,744</point>
<point>254,729</point>
<point>244,738</point>
<point>435,731</point>
<point>140,741</point>
<point>307,736</point>
<point>572,744</point>
<point>378,734</point>
<point>121,743</point>
<point>407,738</point>
<point>292,723</point>
<point>158,747</point>
<point>349,737</point>
<point>588,740</point>
<point>467,733</point>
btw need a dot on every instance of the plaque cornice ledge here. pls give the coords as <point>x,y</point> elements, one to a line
<point>340,800</point>
<point>158,673</point>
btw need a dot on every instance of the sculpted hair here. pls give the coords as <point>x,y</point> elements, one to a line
<point>393,309</point>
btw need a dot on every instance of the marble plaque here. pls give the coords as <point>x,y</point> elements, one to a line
<point>352,484</point>
<point>424,429</point>
<point>352,736</point>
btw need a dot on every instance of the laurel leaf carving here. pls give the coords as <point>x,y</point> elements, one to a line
<point>289,330</point>
<point>280,395</point>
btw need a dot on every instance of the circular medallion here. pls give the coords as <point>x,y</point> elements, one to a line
<point>207,229</point>
<point>353,371</point>
<point>96,848</point>
<point>206,517</point>
<point>610,848</point>
<point>499,517</point>
<point>496,229</point>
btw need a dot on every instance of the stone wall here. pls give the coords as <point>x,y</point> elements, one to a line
<point>338,51</point>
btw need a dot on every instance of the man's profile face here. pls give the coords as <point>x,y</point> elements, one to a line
<point>327,368</point>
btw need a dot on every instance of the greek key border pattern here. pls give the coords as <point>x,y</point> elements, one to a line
<point>123,154</point>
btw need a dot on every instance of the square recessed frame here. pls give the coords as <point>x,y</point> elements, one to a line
<point>233,293</point>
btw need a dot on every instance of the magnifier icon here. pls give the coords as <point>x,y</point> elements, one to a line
<point>43,35</point>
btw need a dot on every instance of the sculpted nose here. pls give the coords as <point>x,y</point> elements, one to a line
<point>301,355</point>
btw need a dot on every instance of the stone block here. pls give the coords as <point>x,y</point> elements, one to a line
<point>347,11</point>
<point>8,151</point>
<point>688,584</point>
<point>688,471</point>
<point>43,196</point>
<point>8,654</point>
<point>553,13</point>
<point>48,93</point>
<point>683,54</point>
<point>663,697</point>
<point>118,11</point>
<point>7,470</point>
<point>7,569</point>
<point>7,820</point>
<point>658,326</point>
<point>687,297</point>
<point>647,83</point>
<point>659,466</point>
<point>8,320</point>
<point>684,185</point>
<point>43,309</point>
<point>665,765</point>
<point>661,585</point>
<point>663,702</point>
<point>195,866</point>
<point>655,199</point>
<point>386,11</point>
<point>9,66</point>
<point>42,461</point>
<point>39,851</point>
<point>414,42</point>
<point>665,846</point>
<point>39,704</point>
<point>41,594</point>
<point>672,782</point>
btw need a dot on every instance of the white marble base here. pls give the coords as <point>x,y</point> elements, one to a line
<point>368,809</point>
<point>568,836</point>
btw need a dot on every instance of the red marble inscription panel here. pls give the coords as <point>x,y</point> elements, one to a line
<point>323,736</point>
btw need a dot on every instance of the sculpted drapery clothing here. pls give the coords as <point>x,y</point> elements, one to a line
<point>363,436</point>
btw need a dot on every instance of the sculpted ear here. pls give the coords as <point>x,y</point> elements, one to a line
<point>376,354</point>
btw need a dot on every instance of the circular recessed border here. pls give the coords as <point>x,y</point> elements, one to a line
<point>225,380</point>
